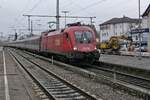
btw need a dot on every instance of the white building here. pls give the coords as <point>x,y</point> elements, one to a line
<point>117,26</point>
<point>144,24</point>
<point>147,15</point>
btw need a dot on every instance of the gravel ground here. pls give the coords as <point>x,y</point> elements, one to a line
<point>100,90</point>
<point>134,62</point>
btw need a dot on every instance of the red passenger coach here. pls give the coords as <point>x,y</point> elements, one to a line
<point>72,43</point>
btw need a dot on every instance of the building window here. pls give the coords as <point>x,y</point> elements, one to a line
<point>104,34</point>
<point>136,38</point>
<point>104,27</point>
<point>107,34</point>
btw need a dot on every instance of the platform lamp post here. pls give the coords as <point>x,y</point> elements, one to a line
<point>57,15</point>
<point>65,12</point>
<point>139,7</point>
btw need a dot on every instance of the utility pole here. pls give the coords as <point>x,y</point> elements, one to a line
<point>32,25</point>
<point>16,36</point>
<point>31,28</point>
<point>29,20</point>
<point>1,34</point>
<point>140,55</point>
<point>57,15</point>
<point>91,20</point>
<point>65,12</point>
<point>29,23</point>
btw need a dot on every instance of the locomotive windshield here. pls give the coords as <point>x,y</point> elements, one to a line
<point>83,36</point>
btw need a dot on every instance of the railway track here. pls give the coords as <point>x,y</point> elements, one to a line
<point>121,76</point>
<point>132,81</point>
<point>52,85</point>
<point>127,77</point>
<point>113,74</point>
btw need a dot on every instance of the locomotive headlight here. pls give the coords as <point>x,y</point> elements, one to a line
<point>75,47</point>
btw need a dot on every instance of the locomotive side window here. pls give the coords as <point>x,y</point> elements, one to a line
<point>67,36</point>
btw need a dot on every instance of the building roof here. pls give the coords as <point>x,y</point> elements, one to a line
<point>147,11</point>
<point>120,20</point>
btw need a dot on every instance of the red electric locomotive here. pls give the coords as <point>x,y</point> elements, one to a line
<point>74,43</point>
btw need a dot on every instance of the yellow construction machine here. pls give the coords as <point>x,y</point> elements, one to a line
<point>113,45</point>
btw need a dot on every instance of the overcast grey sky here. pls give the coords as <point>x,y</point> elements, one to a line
<point>11,11</point>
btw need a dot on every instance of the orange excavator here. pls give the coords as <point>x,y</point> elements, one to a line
<point>113,45</point>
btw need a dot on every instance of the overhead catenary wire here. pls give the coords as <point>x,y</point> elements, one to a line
<point>31,9</point>
<point>35,5</point>
<point>83,8</point>
<point>89,6</point>
<point>19,21</point>
<point>1,3</point>
<point>38,2</point>
<point>68,4</point>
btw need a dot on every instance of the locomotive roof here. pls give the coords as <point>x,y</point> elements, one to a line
<point>70,28</point>
<point>74,28</point>
<point>54,33</point>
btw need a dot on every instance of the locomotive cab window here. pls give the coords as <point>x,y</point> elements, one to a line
<point>83,36</point>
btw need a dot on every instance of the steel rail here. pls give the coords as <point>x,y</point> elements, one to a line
<point>97,76</point>
<point>33,77</point>
<point>114,71</point>
<point>90,97</point>
<point>143,87</point>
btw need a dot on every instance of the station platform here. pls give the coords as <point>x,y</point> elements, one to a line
<point>129,61</point>
<point>13,83</point>
<point>143,54</point>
